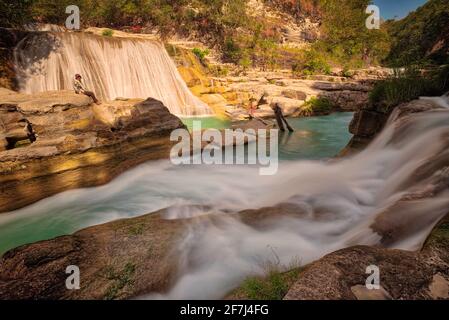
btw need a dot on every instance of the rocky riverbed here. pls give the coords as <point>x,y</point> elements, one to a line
<point>139,256</point>
<point>229,96</point>
<point>56,141</point>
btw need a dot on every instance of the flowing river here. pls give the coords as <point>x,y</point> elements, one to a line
<point>158,184</point>
<point>400,179</point>
<point>337,202</point>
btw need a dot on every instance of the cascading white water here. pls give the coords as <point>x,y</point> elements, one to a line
<point>111,67</point>
<point>340,204</point>
<point>338,201</point>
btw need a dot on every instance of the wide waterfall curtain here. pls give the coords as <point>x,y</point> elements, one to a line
<point>111,67</point>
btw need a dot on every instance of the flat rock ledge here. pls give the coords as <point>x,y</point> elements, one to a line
<point>55,141</point>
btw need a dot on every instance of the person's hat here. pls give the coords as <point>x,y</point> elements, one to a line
<point>77,76</point>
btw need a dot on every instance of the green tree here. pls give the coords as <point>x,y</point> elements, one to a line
<point>14,13</point>
<point>420,36</point>
<point>345,35</point>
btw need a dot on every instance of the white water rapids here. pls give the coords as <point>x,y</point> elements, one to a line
<point>338,202</point>
<point>111,67</point>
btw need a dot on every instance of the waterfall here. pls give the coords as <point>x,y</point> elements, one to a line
<point>398,187</point>
<point>111,67</point>
<point>442,101</point>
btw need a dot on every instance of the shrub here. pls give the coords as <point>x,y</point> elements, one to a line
<point>107,33</point>
<point>346,72</point>
<point>232,51</point>
<point>245,60</point>
<point>219,70</point>
<point>274,287</point>
<point>316,106</point>
<point>317,65</point>
<point>201,54</point>
<point>310,62</point>
<point>408,84</point>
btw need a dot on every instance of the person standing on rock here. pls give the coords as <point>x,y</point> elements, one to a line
<point>79,88</point>
<point>280,119</point>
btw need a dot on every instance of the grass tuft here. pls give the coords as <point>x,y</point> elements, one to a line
<point>107,33</point>
<point>408,84</point>
<point>120,280</point>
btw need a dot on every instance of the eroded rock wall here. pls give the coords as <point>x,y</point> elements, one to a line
<point>56,141</point>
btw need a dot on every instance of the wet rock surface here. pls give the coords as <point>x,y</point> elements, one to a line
<point>403,274</point>
<point>369,121</point>
<point>9,38</point>
<point>117,260</point>
<point>138,256</point>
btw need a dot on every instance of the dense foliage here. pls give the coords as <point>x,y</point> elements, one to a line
<point>423,36</point>
<point>345,41</point>
<point>345,36</point>
<point>251,41</point>
<point>409,84</point>
<point>298,8</point>
<point>14,13</point>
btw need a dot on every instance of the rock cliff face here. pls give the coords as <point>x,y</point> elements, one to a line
<point>56,141</point>
<point>369,121</point>
<point>127,258</point>
<point>365,125</point>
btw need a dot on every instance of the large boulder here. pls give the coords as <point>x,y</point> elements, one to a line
<point>404,274</point>
<point>117,260</point>
<point>294,94</point>
<point>367,123</point>
<point>51,142</point>
<point>341,86</point>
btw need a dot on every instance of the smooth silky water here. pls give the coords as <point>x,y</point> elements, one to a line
<point>337,202</point>
<point>158,184</point>
<point>112,67</point>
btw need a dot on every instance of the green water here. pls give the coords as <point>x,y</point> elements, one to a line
<point>208,123</point>
<point>157,185</point>
<point>314,138</point>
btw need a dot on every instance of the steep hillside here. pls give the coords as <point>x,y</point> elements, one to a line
<point>422,35</point>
